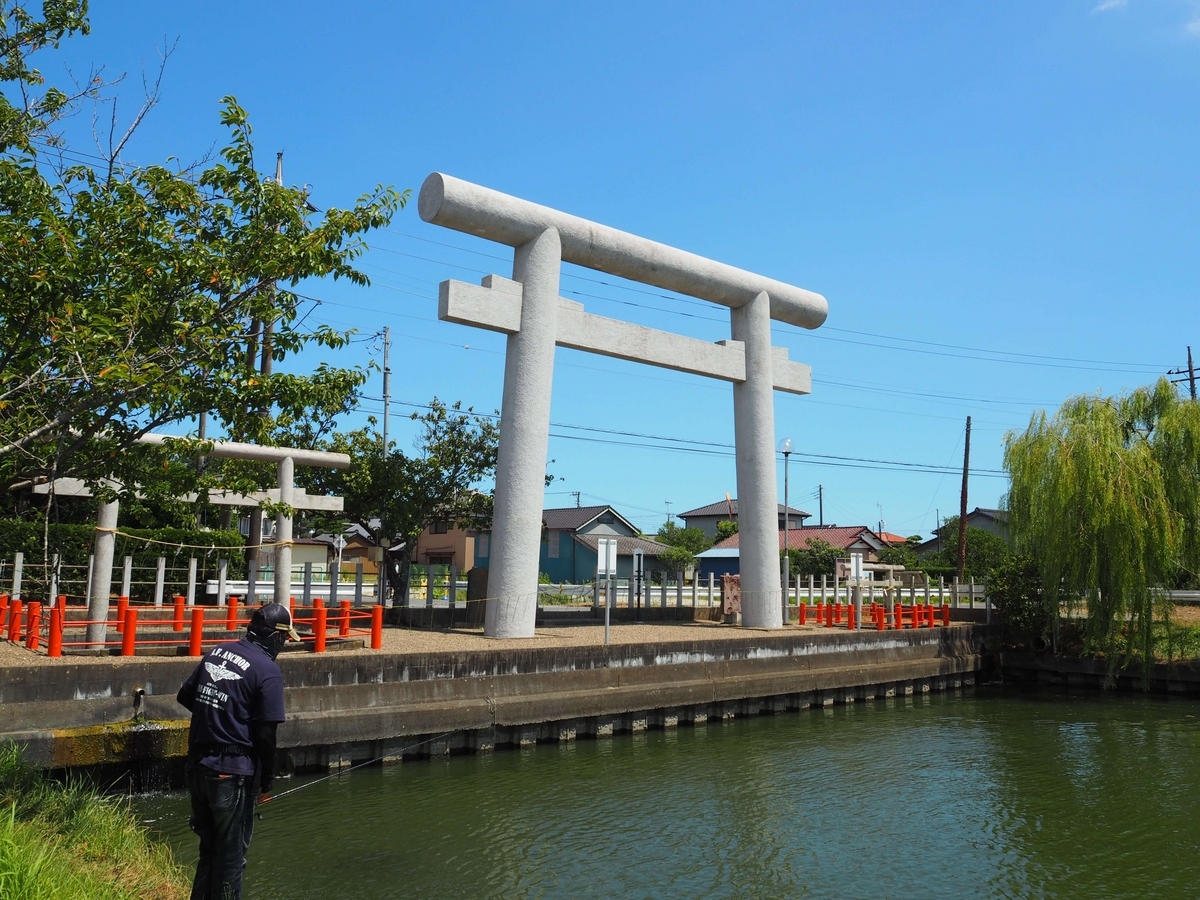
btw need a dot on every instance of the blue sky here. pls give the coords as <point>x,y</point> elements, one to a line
<point>998,200</point>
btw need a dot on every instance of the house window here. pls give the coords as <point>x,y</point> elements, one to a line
<point>482,545</point>
<point>439,528</point>
<point>607,519</point>
<point>552,551</point>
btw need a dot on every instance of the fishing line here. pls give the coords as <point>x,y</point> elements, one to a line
<point>341,772</point>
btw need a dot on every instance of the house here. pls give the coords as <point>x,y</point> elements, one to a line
<point>891,538</point>
<point>706,517</point>
<point>723,558</point>
<point>360,546</point>
<point>304,550</point>
<point>445,544</point>
<point>569,539</point>
<point>993,520</point>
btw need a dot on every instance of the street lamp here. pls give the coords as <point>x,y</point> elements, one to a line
<point>785,447</point>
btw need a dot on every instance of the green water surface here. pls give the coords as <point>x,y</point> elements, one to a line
<point>985,795</point>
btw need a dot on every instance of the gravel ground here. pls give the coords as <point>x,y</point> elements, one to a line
<point>405,640</point>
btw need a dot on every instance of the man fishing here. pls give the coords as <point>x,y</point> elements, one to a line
<point>236,699</point>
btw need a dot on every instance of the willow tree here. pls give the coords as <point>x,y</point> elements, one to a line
<point>1105,499</point>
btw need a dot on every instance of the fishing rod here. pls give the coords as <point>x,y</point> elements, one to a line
<point>341,772</point>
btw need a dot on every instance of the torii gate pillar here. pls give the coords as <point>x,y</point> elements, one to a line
<point>524,425</point>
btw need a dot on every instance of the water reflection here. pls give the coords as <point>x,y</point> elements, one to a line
<point>999,796</point>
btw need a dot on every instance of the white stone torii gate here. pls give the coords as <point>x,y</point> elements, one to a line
<point>530,311</point>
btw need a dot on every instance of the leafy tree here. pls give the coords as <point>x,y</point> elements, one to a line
<point>691,539</point>
<point>444,479</point>
<point>816,558</point>
<point>1105,500</point>
<point>1021,611</point>
<point>132,297</point>
<point>726,529</point>
<point>985,550</point>
<point>674,559</point>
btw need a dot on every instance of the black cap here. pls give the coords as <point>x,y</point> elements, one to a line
<point>272,618</point>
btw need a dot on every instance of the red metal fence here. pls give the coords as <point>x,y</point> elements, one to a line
<point>165,627</point>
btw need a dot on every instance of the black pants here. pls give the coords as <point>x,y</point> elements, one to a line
<point>223,818</point>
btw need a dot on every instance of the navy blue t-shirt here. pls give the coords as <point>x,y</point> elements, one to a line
<point>234,685</point>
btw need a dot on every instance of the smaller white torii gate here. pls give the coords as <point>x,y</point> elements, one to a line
<point>528,309</point>
<point>285,459</point>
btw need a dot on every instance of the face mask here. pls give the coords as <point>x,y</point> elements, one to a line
<point>270,644</point>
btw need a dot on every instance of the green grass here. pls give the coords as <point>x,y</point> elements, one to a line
<point>1176,643</point>
<point>70,842</point>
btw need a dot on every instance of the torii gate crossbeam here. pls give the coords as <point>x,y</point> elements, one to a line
<point>529,310</point>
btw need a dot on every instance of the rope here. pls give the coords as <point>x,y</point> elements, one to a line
<point>146,540</point>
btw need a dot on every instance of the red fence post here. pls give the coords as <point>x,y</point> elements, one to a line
<point>319,629</point>
<point>945,613</point>
<point>196,638</point>
<point>377,627</point>
<point>179,601</point>
<point>129,633</point>
<point>802,616</point>
<point>54,646</point>
<point>33,626</point>
<point>14,620</point>
<point>122,605</point>
<point>344,624</point>
<point>231,614</point>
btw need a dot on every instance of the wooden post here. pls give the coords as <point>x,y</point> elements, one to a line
<point>191,582</point>
<point>160,577</point>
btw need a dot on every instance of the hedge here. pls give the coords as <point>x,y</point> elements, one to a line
<point>73,543</point>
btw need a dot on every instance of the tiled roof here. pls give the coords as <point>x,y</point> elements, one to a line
<point>625,545</point>
<point>1000,515</point>
<point>840,537</point>
<point>890,537</point>
<point>571,518</point>
<point>721,508</point>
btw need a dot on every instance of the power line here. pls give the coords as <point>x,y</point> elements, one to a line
<point>1017,357</point>
<point>714,448</point>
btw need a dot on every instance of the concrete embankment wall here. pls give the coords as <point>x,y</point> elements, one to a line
<point>1046,670</point>
<point>348,707</point>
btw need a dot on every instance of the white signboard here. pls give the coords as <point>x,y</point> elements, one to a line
<point>606,557</point>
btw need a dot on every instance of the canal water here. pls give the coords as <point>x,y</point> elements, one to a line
<point>986,795</point>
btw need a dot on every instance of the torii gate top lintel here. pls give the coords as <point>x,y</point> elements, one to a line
<point>462,206</point>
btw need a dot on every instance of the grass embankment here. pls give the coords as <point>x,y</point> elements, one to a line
<point>69,842</point>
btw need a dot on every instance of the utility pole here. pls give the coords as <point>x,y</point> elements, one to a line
<point>387,385</point>
<point>668,502</point>
<point>265,364</point>
<point>1189,374</point>
<point>962,506</point>
<point>575,494</point>
<point>821,504</point>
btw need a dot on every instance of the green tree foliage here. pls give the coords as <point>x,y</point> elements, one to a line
<point>685,543</point>
<point>1105,500</point>
<point>985,550</point>
<point>1015,588</point>
<point>726,529</point>
<point>816,558</point>
<point>446,478</point>
<point>132,297</point>
<point>691,539</point>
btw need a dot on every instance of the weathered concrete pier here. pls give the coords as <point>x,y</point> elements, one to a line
<point>348,707</point>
